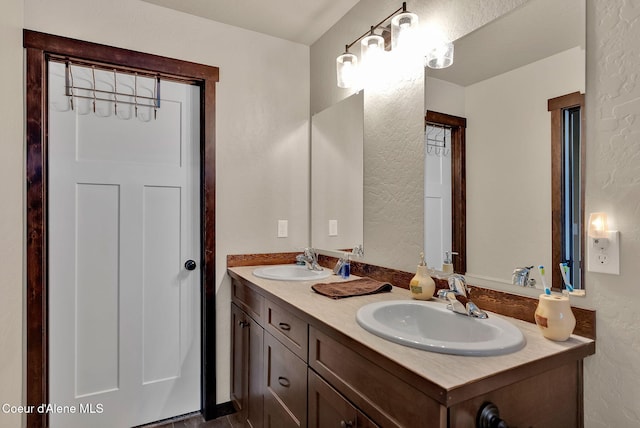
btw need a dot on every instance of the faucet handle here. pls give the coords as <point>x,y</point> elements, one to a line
<point>457,302</point>
<point>458,284</point>
<point>358,251</point>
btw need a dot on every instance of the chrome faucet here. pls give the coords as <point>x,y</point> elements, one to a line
<point>520,277</point>
<point>458,297</point>
<point>310,259</point>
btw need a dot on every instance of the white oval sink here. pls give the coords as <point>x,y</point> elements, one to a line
<point>291,273</point>
<point>432,327</point>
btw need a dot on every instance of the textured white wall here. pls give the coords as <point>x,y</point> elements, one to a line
<point>11,209</point>
<point>262,121</point>
<point>613,167</point>
<point>612,390</point>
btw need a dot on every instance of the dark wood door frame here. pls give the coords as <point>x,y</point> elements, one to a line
<point>556,106</point>
<point>458,127</point>
<point>39,47</point>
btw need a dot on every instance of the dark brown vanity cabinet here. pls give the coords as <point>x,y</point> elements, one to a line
<point>268,362</point>
<point>290,370</point>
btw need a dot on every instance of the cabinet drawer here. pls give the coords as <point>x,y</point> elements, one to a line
<point>387,400</point>
<point>247,299</point>
<point>289,329</point>
<point>285,383</point>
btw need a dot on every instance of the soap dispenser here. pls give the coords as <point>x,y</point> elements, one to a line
<point>447,264</point>
<point>422,286</point>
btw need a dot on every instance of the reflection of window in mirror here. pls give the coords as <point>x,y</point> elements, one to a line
<point>439,239</point>
<point>567,189</point>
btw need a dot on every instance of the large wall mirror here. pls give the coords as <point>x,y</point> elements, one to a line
<point>503,77</point>
<point>337,174</point>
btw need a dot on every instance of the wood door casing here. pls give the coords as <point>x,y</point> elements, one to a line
<point>458,184</point>
<point>39,46</point>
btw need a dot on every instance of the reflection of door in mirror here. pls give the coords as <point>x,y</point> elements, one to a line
<point>567,209</point>
<point>444,190</point>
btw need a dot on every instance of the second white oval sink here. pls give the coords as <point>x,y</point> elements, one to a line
<point>432,327</point>
<point>291,273</point>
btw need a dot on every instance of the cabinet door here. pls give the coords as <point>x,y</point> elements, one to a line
<point>255,403</point>
<point>328,408</point>
<point>239,359</point>
<point>247,367</point>
<point>285,387</point>
<point>557,395</point>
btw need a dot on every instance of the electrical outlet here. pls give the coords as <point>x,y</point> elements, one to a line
<point>603,254</point>
<point>283,228</point>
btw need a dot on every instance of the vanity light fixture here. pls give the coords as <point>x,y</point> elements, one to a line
<point>404,30</point>
<point>604,245</point>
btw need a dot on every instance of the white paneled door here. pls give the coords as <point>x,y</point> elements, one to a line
<point>124,204</point>
<point>437,196</point>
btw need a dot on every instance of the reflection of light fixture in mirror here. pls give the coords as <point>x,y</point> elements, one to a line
<point>439,52</point>
<point>440,55</point>
<point>604,245</point>
<point>347,69</point>
<point>403,36</point>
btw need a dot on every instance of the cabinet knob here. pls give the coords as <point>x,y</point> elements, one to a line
<point>489,417</point>
<point>346,424</point>
<point>243,324</point>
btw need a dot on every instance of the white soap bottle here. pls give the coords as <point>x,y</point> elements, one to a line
<point>447,264</point>
<point>422,286</point>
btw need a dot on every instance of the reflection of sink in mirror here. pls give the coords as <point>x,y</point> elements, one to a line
<point>291,273</point>
<point>432,327</point>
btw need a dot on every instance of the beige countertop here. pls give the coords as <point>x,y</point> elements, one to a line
<point>447,371</point>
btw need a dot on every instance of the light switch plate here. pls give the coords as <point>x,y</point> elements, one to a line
<point>283,228</point>
<point>603,255</point>
<point>333,227</point>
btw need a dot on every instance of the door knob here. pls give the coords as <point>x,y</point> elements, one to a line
<point>189,265</point>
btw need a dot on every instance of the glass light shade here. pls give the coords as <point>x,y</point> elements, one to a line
<point>347,70</point>
<point>440,55</point>
<point>372,49</point>
<point>404,27</point>
<point>598,225</point>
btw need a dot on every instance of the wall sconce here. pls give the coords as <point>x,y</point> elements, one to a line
<point>404,29</point>
<point>604,245</point>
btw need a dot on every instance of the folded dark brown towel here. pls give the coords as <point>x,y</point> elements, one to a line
<point>356,287</point>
